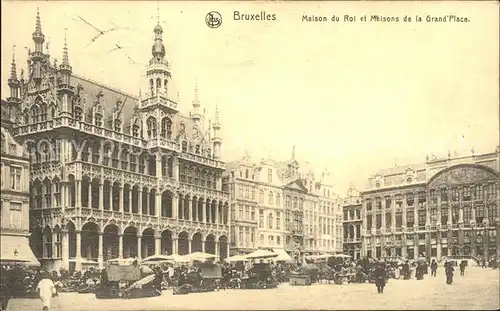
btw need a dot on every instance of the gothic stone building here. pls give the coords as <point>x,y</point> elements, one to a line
<point>114,175</point>
<point>441,207</point>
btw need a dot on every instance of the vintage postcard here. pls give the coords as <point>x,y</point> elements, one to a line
<point>236,155</point>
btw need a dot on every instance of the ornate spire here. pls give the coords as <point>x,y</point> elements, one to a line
<point>217,119</point>
<point>65,60</point>
<point>38,36</point>
<point>13,69</point>
<point>158,49</point>
<point>196,100</point>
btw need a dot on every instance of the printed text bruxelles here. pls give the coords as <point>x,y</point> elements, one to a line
<point>262,16</point>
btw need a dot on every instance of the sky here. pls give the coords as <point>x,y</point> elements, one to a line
<point>352,97</point>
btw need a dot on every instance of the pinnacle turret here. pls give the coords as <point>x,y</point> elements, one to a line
<point>38,36</point>
<point>13,69</point>
<point>217,124</point>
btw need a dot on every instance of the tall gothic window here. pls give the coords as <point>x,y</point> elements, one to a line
<point>166,128</point>
<point>34,114</point>
<point>78,113</point>
<point>270,221</point>
<point>98,116</point>
<point>151,127</point>
<point>43,112</point>
<point>118,125</point>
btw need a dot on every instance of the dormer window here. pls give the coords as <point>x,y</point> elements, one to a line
<point>184,146</point>
<point>209,152</point>
<point>135,128</point>
<point>98,119</point>
<point>197,149</point>
<point>78,113</point>
<point>118,125</point>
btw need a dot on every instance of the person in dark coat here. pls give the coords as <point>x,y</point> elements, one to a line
<point>379,275</point>
<point>449,273</point>
<point>5,288</point>
<point>463,264</point>
<point>434,267</point>
<point>406,270</point>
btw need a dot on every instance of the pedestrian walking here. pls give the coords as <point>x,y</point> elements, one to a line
<point>434,267</point>
<point>463,264</point>
<point>379,275</point>
<point>46,289</point>
<point>449,273</point>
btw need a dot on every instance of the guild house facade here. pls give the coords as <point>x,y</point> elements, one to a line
<point>115,175</point>
<point>276,206</point>
<point>441,207</point>
<point>14,194</point>
<point>352,222</point>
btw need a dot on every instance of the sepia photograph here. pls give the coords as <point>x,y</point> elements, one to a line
<point>250,155</point>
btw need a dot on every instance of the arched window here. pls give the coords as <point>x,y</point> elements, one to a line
<point>158,85</point>
<point>53,112</point>
<point>261,197</point>
<point>78,113</point>
<point>34,114</point>
<point>151,128</point>
<point>26,118</point>
<point>44,152</point>
<point>118,125</point>
<point>135,128</point>
<point>151,86</point>
<point>166,128</point>
<point>98,116</point>
<point>278,199</point>
<point>278,240</point>
<point>43,112</point>
<point>270,220</point>
<point>261,239</point>
<point>271,198</point>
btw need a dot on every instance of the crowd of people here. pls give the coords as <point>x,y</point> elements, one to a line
<point>22,281</point>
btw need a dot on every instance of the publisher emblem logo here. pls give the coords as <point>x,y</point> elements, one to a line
<point>213,19</point>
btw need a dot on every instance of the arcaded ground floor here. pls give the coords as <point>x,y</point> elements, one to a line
<point>477,290</point>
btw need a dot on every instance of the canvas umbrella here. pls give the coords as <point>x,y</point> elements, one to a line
<point>261,253</point>
<point>201,256</point>
<point>236,258</point>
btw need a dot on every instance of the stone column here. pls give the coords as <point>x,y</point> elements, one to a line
<point>158,204</point>
<point>427,209</point>
<point>65,249</point>
<point>175,205</point>
<point>78,257</point>
<point>217,251</point>
<point>204,210</point>
<point>78,191</point>
<point>473,213</point>
<point>130,199</point>
<point>203,245</point>
<point>175,168</point>
<point>181,206</point>
<point>382,227</point>
<point>110,196</point>
<point>175,245</point>
<point>101,195</point>
<point>139,201</point>
<point>189,209</point>
<point>393,214</point>
<point>120,198</point>
<point>159,171</point>
<point>158,244</point>
<point>139,246</point>
<point>194,209</point>
<point>217,213</point>
<point>100,253</point>
<point>190,244</point>
<point>210,212</point>
<point>89,194</point>
<point>148,202</point>
<point>120,245</point>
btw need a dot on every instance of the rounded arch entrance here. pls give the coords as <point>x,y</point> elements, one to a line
<point>197,245</point>
<point>71,239</point>
<point>183,242</point>
<point>130,242</point>
<point>210,244</point>
<point>166,242</point>
<point>223,249</point>
<point>148,242</point>
<point>90,241</point>
<point>110,242</point>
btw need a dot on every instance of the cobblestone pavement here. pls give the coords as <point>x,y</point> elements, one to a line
<point>477,290</point>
